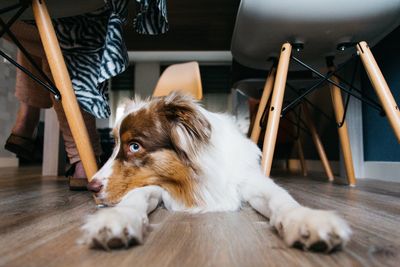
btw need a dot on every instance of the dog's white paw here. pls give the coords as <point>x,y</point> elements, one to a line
<point>115,227</point>
<point>309,229</point>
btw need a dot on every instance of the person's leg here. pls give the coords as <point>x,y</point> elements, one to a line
<point>30,95</point>
<point>21,141</point>
<point>26,121</point>
<point>69,143</point>
<point>31,98</point>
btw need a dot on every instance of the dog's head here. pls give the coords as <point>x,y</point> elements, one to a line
<point>157,142</point>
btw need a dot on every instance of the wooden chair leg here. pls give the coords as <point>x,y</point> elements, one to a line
<point>275,108</point>
<point>381,87</point>
<point>298,143</point>
<point>303,164</point>
<point>338,108</point>
<point>255,132</point>
<point>64,84</point>
<point>317,142</point>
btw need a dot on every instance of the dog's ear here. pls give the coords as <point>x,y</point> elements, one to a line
<point>190,130</point>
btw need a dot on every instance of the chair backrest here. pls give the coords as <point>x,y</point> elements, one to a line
<point>57,8</point>
<point>180,77</point>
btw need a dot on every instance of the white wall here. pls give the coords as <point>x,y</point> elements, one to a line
<point>146,77</point>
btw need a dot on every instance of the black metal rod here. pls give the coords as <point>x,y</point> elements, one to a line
<point>340,124</point>
<point>300,127</point>
<point>29,57</point>
<point>348,84</point>
<point>13,19</point>
<point>310,103</point>
<point>9,8</point>
<point>30,74</point>
<point>295,102</point>
<point>6,29</point>
<point>327,78</point>
<point>312,88</point>
<point>346,106</point>
<point>376,104</point>
<point>351,85</point>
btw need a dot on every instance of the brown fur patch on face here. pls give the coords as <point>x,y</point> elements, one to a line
<point>168,133</point>
<point>163,168</point>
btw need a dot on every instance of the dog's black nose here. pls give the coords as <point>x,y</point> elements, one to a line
<point>94,185</point>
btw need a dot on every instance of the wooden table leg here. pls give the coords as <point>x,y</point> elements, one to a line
<point>255,132</point>
<point>381,87</point>
<point>275,109</point>
<point>317,142</point>
<point>63,82</point>
<point>338,108</point>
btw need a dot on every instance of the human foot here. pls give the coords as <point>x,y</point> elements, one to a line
<point>77,180</point>
<point>23,147</point>
<point>21,141</point>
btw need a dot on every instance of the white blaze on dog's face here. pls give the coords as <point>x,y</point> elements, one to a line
<point>156,144</point>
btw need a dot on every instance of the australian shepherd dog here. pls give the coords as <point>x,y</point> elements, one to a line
<point>171,150</point>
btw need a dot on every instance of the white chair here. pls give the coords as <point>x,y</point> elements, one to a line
<point>320,29</point>
<point>42,14</point>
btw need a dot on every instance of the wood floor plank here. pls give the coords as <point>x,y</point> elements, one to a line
<point>40,220</point>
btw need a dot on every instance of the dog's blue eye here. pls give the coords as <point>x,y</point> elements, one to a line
<point>134,147</point>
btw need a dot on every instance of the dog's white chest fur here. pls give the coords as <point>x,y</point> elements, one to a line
<point>226,163</point>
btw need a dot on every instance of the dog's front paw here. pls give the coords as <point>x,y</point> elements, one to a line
<point>114,228</point>
<point>309,229</point>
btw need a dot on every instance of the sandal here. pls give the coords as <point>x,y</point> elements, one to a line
<point>23,147</point>
<point>75,184</point>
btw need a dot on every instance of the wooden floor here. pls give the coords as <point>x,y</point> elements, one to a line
<point>40,220</point>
